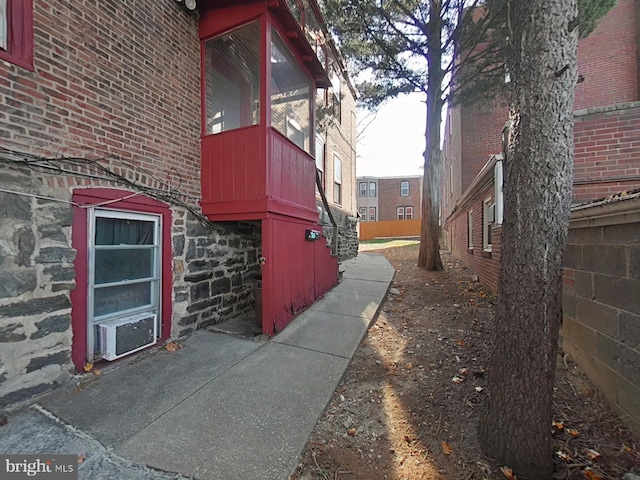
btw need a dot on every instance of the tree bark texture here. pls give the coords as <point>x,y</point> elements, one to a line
<point>516,423</point>
<point>429,253</point>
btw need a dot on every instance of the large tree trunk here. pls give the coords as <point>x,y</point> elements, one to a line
<point>429,254</point>
<point>515,426</point>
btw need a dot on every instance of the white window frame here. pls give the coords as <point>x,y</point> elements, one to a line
<point>374,190</point>
<point>337,179</point>
<point>487,222</point>
<point>470,229</point>
<point>374,217</point>
<point>155,280</point>
<point>402,184</point>
<point>363,214</point>
<point>400,213</point>
<point>499,194</point>
<point>361,190</point>
<point>319,157</point>
<point>408,213</point>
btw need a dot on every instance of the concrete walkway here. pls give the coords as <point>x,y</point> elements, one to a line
<point>222,407</point>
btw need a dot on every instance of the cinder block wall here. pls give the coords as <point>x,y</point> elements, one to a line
<point>601,321</point>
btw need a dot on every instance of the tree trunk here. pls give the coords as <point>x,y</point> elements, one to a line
<point>429,254</point>
<point>515,425</point>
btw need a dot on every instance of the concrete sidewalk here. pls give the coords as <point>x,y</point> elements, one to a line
<point>223,407</point>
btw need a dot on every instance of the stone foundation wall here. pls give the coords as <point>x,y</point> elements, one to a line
<point>347,234</point>
<point>213,270</point>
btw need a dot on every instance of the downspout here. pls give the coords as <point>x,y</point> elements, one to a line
<point>334,240</point>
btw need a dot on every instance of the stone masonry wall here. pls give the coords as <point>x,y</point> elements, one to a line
<point>213,270</point>
<point>601,324</point>
<point>36,277</point>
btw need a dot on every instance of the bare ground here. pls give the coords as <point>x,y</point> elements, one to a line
<point>408,405</point>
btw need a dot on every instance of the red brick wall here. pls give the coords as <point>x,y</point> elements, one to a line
<point>606,60</point>
<point>111,78</point>
<point>485,265</point>
<point>389,198</point>
<point>607,147</point>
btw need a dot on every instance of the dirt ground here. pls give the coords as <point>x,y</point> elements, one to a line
<point>408,405</point>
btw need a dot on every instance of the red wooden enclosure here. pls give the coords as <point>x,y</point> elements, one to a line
<point>255,172</point>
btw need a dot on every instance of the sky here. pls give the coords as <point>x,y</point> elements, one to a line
<point>392,145</point>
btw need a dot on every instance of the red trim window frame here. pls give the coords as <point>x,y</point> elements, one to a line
<point>19,34</point>
<point>118,200</point>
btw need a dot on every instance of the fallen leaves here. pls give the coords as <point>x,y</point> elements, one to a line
<point>446,448</point>
<point>508,473</point>
<point>592,454</point>
<point>88,367</point>
<point>173,346</point>
<point>81,458</point>
<point>558,425</point>
<point>591,475</point>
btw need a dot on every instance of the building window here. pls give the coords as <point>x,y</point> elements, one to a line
<point>470,229</point>
<point>372,189</point>
<point>320,160</point>
<point>372,214</point>
<point>404,189</point>
<point>363,214</point>
<point>363,189</point>
<point>232,76</point>
<point>291,91</point>
<point>124,253</point>
<point>336,96</point>
<point>16,32</point>
<point>408,213</point>
<point>337,180</point>
<point>488,213</point>
<point>400,213</point>
<point>499,195</point>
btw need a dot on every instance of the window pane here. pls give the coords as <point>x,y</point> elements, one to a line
<point>120,231</point>
<point>363,189</point>
<point>372,214</point>
<point>232,73</point>
<point>409,213</point>
<point>337,193</point>
<point>291,92</point>
<point>404,189</point>
<point>372,189</point>
<point>123,297</point>
<point>337,170</point>
<point>363,214</point>
<point>319,154</point>
<point>400,213</point>
<point>123,264</point>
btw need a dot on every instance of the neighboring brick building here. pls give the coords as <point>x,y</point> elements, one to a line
<point>389,198</point>
<point>107,163</point>
<point>607,161</point>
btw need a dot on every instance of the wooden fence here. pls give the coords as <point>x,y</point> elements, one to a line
<point>389,228</point>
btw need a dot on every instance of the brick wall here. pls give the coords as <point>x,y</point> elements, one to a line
<point>111,78</point>
<point>607,151</point>
<point>115,86</point>
<point>484,264</point>
<point>609,67</point>
<point>601,323</point>
<point>389,198</point>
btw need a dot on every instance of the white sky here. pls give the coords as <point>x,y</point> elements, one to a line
<point>392,145</point>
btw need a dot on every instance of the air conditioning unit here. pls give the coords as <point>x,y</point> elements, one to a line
<point>124,336</point>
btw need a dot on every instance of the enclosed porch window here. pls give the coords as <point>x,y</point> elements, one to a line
<point>291,91</point>
<point>232,76</point>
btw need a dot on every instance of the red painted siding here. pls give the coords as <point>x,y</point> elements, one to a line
<point>297,272</point>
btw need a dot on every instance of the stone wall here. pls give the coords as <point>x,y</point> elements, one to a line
<point>213,273</point>
<point>348,242</point>
<point>601,324</point>
<point>36,278</point>
<point>213,270</point>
